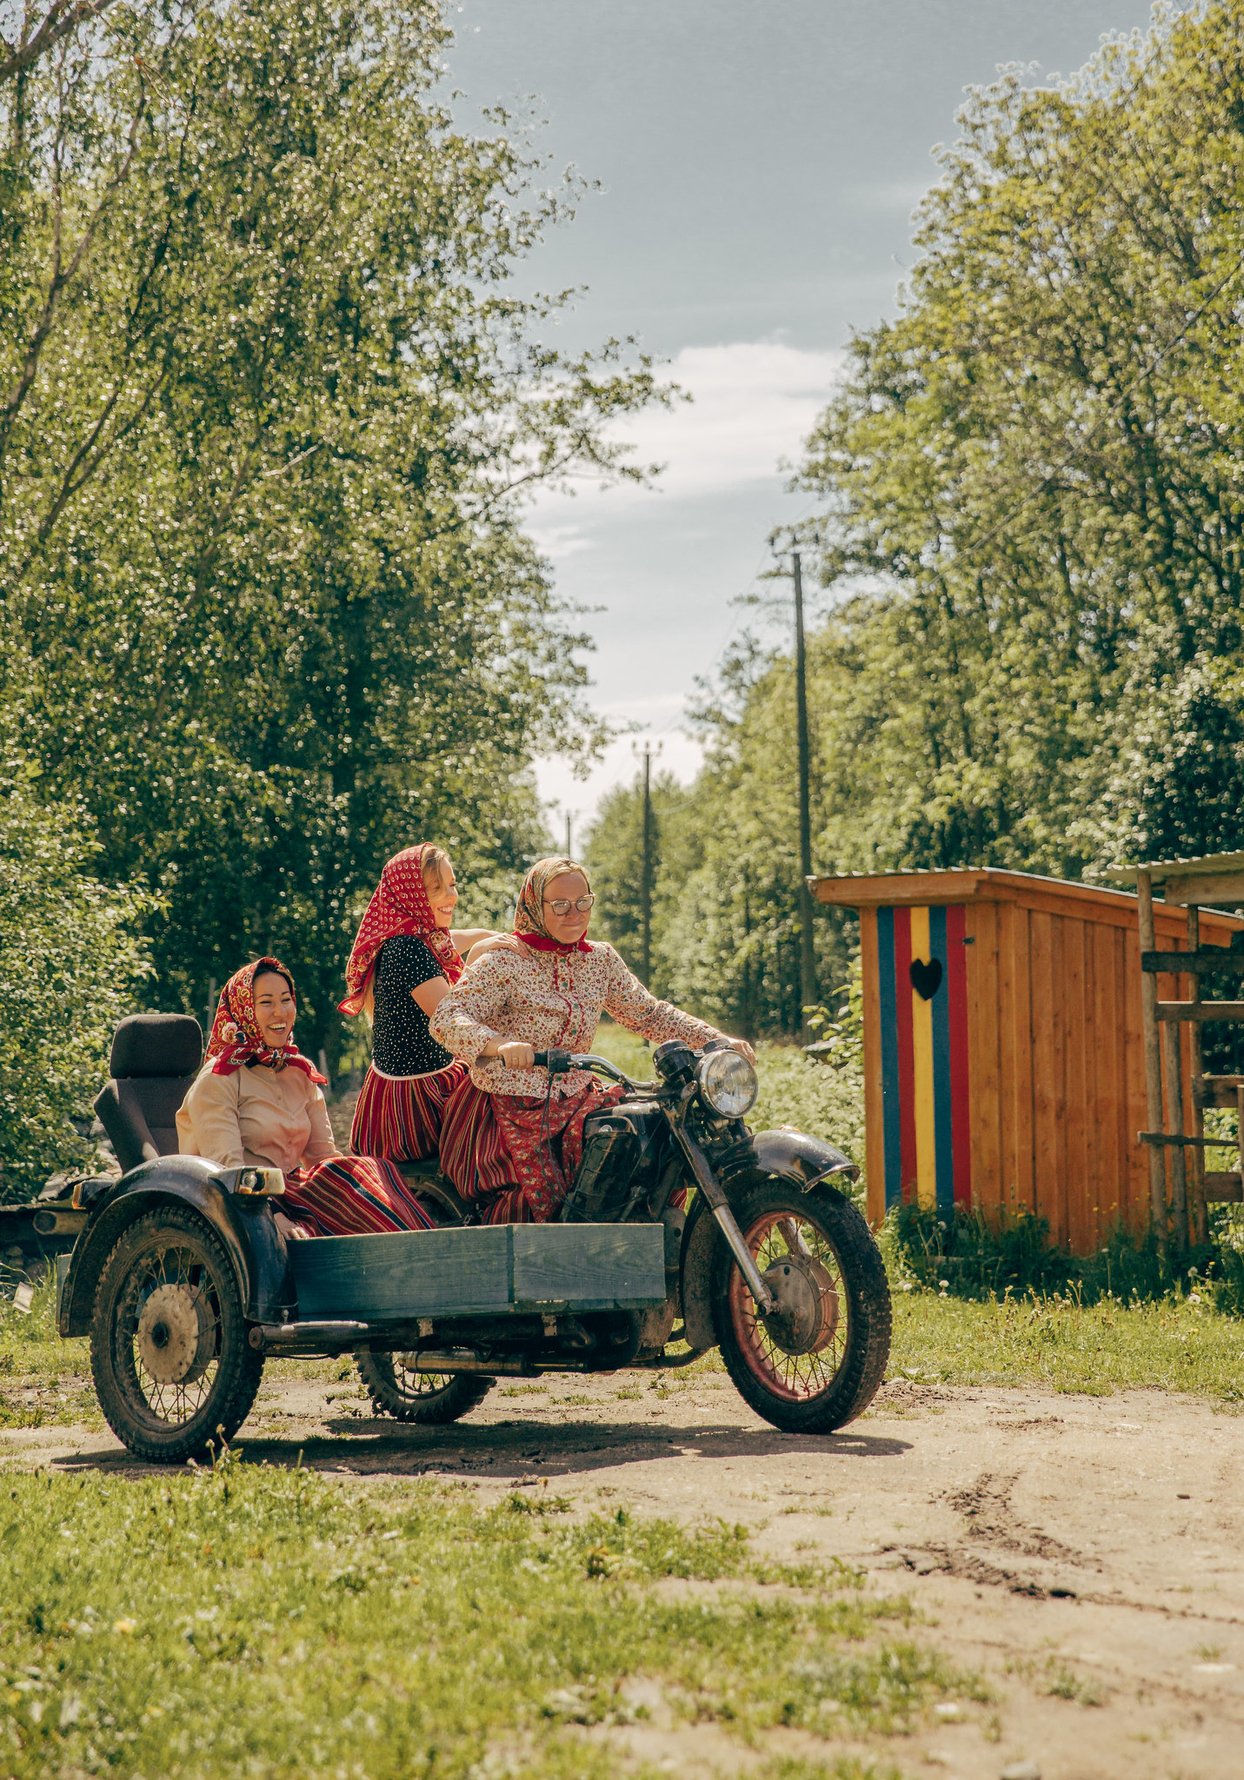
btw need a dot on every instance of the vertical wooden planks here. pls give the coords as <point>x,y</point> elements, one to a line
<point>1046,1106</point>
<point>874,1123</point>
<point>1019,1092</point>
<point>1075,1066</point>
<point>1007,1060</point>
<point>1102,1085</point>
<point>982,987</point>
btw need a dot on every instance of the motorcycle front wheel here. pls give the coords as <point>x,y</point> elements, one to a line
<point>814,1362</point>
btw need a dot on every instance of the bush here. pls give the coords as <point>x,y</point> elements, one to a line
<point>70,958</point>
<point>966,1257</point>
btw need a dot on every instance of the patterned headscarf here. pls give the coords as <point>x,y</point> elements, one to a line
<point>235,1041</point>
<point>399,905</point>
<point>529,915</point>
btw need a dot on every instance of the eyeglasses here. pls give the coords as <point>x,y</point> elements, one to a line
<point>561,905</point>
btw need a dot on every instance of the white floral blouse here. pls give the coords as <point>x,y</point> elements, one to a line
<point>548,999</point>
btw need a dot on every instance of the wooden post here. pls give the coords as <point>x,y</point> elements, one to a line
<point>1175,1126</point>
<point>1198,1227</point>
<point>1153,1057</point>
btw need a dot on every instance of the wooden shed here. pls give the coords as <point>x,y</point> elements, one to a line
<point>1003,1057</point>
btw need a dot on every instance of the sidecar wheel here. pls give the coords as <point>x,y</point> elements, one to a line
<point>429,1398</point>
<point>173,1369</point>
<point>816,1361</point>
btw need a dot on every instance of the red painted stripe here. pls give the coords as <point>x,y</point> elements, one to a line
<point>960,1096</point>
<point>906,1053</point>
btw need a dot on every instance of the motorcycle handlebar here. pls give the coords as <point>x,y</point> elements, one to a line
<point>562,1062</point>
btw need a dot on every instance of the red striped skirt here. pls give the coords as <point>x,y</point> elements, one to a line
<point>401,1116</point>
<point>500,1149</point>
<point>351,1196</point>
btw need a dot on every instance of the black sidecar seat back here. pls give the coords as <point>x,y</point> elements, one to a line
<point>155,1057</point>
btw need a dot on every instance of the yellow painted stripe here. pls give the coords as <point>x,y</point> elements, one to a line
<point>922,1046</point>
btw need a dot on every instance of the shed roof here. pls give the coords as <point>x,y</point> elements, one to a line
<point>1203,865</point>
<point>900,889</point>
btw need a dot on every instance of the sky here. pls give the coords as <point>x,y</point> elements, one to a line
<point>759,162</point>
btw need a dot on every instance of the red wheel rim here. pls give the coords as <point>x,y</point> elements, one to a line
<point>794,1377</point>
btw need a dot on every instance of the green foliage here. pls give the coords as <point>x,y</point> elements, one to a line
<point>969,1257</point>
<point>70,965</point>
<point>315,1631</point>
<point>1031,517</point>
<point>270,404</point>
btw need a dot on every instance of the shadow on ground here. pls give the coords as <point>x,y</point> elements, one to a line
<point>365,1447</point>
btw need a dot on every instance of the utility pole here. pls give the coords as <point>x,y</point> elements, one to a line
<point>807,953</point>
<point>645,890</point>
<point>569,854</point>
<point>645,880</point>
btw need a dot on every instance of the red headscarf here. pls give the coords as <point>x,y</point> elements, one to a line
<point>529,915</point>
<point>399,905</point>
<point>235,1041</point>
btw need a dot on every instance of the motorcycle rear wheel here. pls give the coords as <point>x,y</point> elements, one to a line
<point>431,1399</point>
<point>815,1363</point>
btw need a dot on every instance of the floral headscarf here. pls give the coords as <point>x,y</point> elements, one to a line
<point>235,1041</point>
<point>529,915</point>
<point>399,905</point>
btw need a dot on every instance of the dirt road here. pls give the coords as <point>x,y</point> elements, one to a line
<point>1085,1555</point>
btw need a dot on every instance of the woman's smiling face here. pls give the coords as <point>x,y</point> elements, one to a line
<point>275,1008</point>
<point>567,886</point>
<point>441,886</point>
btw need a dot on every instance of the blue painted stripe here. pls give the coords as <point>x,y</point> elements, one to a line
<point>891,1130</point>
<point>943,1111</point>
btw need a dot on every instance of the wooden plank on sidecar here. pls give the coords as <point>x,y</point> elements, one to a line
<point>490,1270</point>
<point>406,1274</point>
<point>588,1266</point>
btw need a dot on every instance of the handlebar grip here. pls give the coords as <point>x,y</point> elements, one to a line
<point>556,1062</point>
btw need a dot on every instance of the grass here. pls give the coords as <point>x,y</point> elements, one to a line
<point>246,1620</point>
<point>1056,1343</point>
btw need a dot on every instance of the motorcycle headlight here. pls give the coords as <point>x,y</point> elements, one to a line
<point>727,1083</point>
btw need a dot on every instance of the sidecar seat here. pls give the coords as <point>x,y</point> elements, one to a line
<point>154,1059</point>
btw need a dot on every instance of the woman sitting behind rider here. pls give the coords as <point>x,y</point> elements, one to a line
<point>510,1137</point>
<point>257,1101</point>
<point>404,958</point>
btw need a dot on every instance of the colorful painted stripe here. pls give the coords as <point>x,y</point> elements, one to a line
<point>924,1057</point>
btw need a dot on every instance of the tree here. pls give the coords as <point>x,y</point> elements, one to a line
<point>263,493</point>
<point>71,960</point>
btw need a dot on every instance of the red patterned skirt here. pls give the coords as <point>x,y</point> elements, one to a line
<point>351,1196</point>
<point>501,1149</point>
<point>401,1116</point>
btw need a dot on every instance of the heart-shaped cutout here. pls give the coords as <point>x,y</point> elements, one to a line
<point>926,977</point>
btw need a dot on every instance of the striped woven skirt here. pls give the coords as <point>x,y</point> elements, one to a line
<point>401,1116</point>
<point>351,1196</point>
<point>512,1154</point>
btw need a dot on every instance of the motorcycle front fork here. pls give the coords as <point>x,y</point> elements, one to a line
<point>727,1223</point>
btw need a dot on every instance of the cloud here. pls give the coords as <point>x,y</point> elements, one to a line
<point>753,403</point>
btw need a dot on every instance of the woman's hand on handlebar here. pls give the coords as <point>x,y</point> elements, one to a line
<point>741,1044</point>
<point>514,1054</point>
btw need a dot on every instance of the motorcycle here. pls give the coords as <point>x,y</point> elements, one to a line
<point>183,1279</point>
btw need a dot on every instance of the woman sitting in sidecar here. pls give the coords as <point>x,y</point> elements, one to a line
<point>258,1100</point>
<point>511,1139</point>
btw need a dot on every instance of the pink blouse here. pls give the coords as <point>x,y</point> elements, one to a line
<point>549,999</point>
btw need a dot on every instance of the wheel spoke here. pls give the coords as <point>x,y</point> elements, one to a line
<point>791,1241</point>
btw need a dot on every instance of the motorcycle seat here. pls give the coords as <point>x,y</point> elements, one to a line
<point>154,1060</point>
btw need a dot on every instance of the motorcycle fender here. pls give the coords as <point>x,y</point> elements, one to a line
<point>798,1157</point>
<point>790,1155</point>
<point>245,1225</point>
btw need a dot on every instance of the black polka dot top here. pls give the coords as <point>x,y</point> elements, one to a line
<point>400,1041</point>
